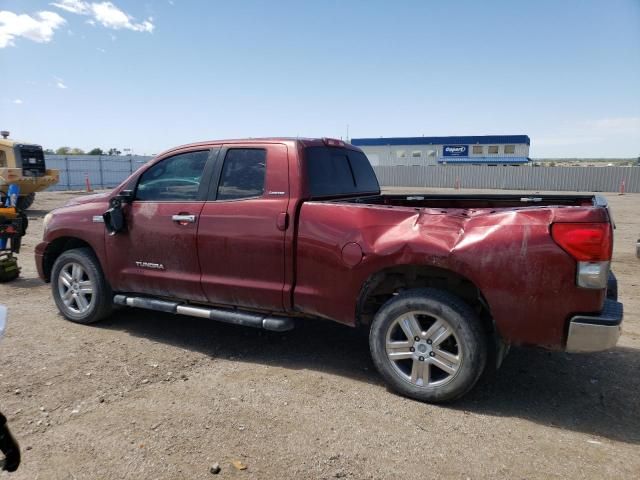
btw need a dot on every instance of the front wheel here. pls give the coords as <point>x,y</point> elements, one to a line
<point>79,288</point>
<point>428,345</point>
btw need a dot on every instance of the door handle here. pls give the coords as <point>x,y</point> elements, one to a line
<point>184,219</point>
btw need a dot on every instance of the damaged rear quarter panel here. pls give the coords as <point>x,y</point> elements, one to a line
<point>527,280</point>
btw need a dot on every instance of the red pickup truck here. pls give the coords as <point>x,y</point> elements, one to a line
<point>266,232</point>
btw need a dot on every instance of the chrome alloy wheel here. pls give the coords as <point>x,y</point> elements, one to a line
<point>424,349</point>
<point>75,288</point>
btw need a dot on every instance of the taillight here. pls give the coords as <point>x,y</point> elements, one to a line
<point>586,242</point>
<point>591,245</point>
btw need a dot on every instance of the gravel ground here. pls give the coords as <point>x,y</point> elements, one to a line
<point>153,396</point>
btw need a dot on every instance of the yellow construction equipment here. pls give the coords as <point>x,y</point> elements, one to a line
<point>23,164</point>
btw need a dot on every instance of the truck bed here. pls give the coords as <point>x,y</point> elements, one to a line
<point>422,200</point>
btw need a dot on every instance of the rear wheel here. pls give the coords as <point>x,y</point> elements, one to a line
<point>428,345</point>
<point>79,288</point>
<point>25,201</point>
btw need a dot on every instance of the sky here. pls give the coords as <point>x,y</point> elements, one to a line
<point>149,75</point>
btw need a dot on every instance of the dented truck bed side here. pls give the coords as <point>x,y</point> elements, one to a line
<point>507,253</point>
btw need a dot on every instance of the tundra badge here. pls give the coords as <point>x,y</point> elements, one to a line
<point>150,265</point>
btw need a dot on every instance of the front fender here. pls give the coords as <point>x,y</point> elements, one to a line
<point>71,226</point>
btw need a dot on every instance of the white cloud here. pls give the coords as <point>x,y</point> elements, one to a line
<point>60,83</point>
<point>565,141</point>
<point>38,28</point>
<point>73,6</point>
<point>617,125</point>
<point>105,13</point>
<point>17,101</point>
<point>602,137</point>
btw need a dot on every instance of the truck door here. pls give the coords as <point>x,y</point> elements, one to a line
<point>241,235</point>
<point>157,253</point>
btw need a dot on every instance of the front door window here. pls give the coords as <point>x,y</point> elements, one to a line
<point>176,179</point>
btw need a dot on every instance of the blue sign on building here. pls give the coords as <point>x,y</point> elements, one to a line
<point>455,151</point>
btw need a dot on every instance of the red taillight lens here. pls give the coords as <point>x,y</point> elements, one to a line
<point>586,242</point>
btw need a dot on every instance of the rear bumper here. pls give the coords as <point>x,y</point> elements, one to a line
<point>594,333</point>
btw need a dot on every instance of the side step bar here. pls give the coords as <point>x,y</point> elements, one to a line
<point>237,317</point>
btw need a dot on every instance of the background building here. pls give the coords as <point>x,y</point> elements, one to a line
<point>474,150</point>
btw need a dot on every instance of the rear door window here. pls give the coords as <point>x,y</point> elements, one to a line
<point>243,174</point>
<point>339,171</point>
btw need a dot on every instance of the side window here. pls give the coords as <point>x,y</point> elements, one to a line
<point>3,159</point>
<point>243,174</point>
<point>175,178</point>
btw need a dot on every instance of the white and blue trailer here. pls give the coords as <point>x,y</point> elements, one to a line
<point>455,150</point>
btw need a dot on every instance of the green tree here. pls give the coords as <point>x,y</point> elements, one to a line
<point>48,151</point>
<point>114,151</point>
<point>76,151</point>
<point>63,151</point>
<point>96,151</point>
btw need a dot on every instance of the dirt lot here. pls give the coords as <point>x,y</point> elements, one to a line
<point>153,396</point>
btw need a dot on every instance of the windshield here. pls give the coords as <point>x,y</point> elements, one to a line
<point>335,171</point>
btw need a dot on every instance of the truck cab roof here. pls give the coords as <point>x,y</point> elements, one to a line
<point>303,141</point>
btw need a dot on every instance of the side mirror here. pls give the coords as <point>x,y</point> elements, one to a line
<point>125,196</point>
<point>114,220</point>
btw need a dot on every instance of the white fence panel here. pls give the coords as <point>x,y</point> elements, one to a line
<point>109,171</point>
<point>580,179</point>
<point>102,171</point>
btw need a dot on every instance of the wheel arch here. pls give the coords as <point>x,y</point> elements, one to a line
<point>57,247</point>
<point>384,284</point>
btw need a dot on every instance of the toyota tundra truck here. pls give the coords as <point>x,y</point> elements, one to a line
<point>267,233</point>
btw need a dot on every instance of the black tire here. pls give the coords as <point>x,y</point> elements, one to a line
<point>100,302</point>
<point>9,269</point>
<point>467,342</point>
<point>25,201</point>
